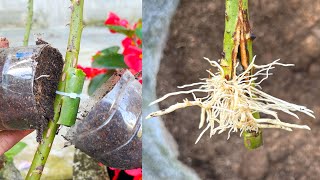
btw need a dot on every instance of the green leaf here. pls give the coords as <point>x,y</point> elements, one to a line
<point>138,32</point>
<point>111,61</point>
<point>15,150</point>
<point>122,30</point>
<point>110,50</point>
<point>107,51</point>
<point>97,81</point>
<point>139,23</point>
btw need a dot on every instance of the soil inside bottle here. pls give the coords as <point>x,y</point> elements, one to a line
<point>27,86</point>
<point>111,132</point>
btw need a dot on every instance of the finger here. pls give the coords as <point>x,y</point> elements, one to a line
<point>4,42</point>
<point>10,138</point>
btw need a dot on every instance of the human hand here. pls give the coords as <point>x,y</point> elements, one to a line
<point>9,138</point>
<point>4,43</point>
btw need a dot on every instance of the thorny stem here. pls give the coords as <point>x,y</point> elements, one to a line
<point>238,44</point>
<point>29,23</point>
<point>71,61</point>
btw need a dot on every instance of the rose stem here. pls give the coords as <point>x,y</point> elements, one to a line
<point>71,60</point>
<point>238,37</point>
<point>29,23</point>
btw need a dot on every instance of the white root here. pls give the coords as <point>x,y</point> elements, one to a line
<point>42,76</point>
<point>229,104</point>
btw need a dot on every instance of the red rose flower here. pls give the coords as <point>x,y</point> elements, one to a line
<point>136,173</point>
<point>139,42</point>
<point>123,23</point>
<point>130,42</point>
<point>133,58</point>
<point>132,49</point>
<point>91,72</point>
<point>127,42</point>
<point>116,173</point>
<point>114,20</point>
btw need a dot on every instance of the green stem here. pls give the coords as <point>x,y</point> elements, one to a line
<point>229,44</point>
<point>237,43</point>
<point>29,23</point>
<point>71,60</point>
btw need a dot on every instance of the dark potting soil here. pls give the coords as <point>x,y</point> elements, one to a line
<point>27,102</point>
<point>108,144</point>
<point>50,62</point>
<point>112,132</point>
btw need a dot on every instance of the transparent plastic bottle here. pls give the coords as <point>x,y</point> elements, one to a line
<point>28,75</point>
<point>112,131</point>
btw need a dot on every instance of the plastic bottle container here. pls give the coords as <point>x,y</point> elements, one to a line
<point>111,132</point>
<point>28,80</point>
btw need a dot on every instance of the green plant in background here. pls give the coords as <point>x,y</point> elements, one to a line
<point>71,80</point>
<point>7,167</point>
<point>29,23</point>
<point>233,100</point>
<point>15,150</point>
<point>107,61</point>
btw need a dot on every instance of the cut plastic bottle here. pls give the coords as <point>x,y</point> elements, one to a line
<point>111,132</point>
<point>29,77</point>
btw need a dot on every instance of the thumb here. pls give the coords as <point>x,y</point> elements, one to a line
<point>4,42</point>
<point>9,138</point>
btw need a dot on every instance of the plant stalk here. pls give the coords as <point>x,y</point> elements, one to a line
<point>29,23</point>
<point>71,60</point>
<point>237,47</point>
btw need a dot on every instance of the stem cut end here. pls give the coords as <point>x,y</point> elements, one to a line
<point>253,140</point>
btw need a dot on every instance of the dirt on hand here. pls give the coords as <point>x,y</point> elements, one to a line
<point>289,30</point>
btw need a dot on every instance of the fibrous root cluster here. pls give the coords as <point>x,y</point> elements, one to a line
<point>230,104</point>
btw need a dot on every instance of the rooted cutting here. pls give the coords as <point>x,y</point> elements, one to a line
<point>229,104</point>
